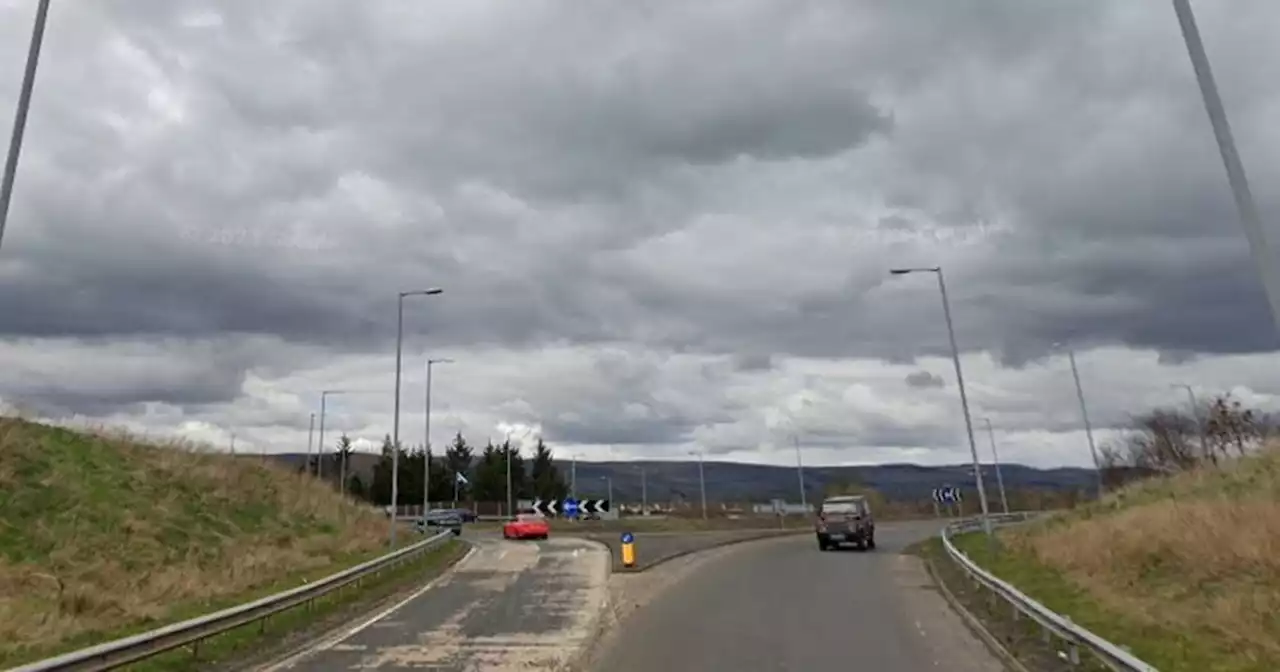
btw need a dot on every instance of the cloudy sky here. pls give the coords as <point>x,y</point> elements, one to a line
<point>660,226</point>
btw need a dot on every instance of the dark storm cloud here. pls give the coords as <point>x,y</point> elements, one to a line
<point>726,177</point>
<point>924,379</point>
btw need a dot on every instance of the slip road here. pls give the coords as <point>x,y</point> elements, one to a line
<point>782,605</point>
<point>506,606</point>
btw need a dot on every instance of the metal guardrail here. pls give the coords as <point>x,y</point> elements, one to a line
<point>114,654</point>
<point>1054,624</point>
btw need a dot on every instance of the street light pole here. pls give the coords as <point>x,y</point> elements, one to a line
<point>644,493</point>
<point>395,422</point>
<point>511,506</point>
<point>995,455</point>
<point>804,505</point>
<point>1084,414</point>
<point>1195,414</point>
<point>573,477</point>
<point>311,435</point>
<point>20,117</point>
<point>426,441</point>
<point>702,482</point>
<point>964,399</point>
<point>1248,210</point>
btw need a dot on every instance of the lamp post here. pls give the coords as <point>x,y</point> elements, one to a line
<point>609,495</point>
<point>804,504</point>
<point>1084,415</point>
<point>426,440</point>
<point>702,481</point>
<point>395,422</point>
<point>20,117</point>
<point>964,399</point>
<point>324,399</point>
<point>1195,414</point>
<point>1245,205</point>
<point>311,435</point>
<point>506,446</point>
<point>995,455</point>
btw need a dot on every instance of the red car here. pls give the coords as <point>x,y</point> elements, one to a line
<point>526,527</point>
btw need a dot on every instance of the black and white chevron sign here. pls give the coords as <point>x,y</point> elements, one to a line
<point>547,507</point>
<point>947,494</point>
<point>594,506</point>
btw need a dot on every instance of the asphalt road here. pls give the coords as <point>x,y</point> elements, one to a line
<point>653,548</point>
<point>509,605</point>
<point>783,605</point>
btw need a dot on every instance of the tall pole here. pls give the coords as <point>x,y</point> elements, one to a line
<point>702,484</point>
<point>1245,205</point>
<point>311,435</point>
<point>573,477</point>
<point>609,480</point>
<point>395,422</point>
<point>644,493</point>
<point>20,118</point>
<point>1195,414</point>
<point>1084,414</point>
<point>964,403</point>
<point>995,456</point>
<point>964,398</point>
<point>320,445</point>
<point>426,442</point>
<point>511,506</point>
<point>804,505</point>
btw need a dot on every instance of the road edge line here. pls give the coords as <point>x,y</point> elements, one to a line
<point>973,623</point>
<point>712,547</point>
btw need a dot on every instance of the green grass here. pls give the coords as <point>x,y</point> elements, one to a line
<point>103,535</point>
<point>1167,649</point>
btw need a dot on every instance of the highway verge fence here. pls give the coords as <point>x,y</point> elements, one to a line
<point>1052,623</point>
<point>128,650</point>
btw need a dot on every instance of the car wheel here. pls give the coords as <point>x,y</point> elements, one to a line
<point>871,544</point>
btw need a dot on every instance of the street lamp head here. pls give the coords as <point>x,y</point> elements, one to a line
<point>423,292</point>
<point>905,271</point>
<point>443,360</point>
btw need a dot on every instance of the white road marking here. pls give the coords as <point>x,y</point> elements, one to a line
<point>331,642</point>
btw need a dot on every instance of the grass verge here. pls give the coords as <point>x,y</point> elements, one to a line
<point>103,535</point>
<point>1182,570</point>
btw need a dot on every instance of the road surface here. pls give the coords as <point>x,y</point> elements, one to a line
<point>782,605</point>
<point>507,606</point>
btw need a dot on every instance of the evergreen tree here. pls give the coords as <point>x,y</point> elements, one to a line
<point>356,488</point>
<point>380,491</point>
<point>441,482</point>
<point>411,467</point>
<point>519,477</point>
<point>458,458</point>
<point>546,481</point>
<point>490,482</point>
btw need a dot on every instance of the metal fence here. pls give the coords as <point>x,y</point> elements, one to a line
<point>1054,625</point>
<point>120,652</point>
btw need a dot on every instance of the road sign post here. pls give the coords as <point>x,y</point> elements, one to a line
<point>628,550</point>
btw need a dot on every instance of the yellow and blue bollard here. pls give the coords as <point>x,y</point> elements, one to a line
<point>628,550</point>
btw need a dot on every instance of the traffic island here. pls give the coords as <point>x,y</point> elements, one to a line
<point>654,548</point>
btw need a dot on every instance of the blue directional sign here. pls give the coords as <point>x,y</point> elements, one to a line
<point>628,538</point>
<point>570,507</point>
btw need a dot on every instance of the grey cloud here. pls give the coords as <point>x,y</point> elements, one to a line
<point>924,379</point>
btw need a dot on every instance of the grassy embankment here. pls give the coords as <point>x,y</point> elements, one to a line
<point>1184,570</point>
<point>102,535</point>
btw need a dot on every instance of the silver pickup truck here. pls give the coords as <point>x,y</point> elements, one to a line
<point>845,520</point>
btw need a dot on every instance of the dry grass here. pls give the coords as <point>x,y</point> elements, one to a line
<point>101,532</point>
<point>1195,557</point>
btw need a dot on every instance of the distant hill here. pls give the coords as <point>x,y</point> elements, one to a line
<point>736,481</point>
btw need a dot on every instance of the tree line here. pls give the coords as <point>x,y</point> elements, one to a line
<point>483,476</point>
<point>1165,441</point>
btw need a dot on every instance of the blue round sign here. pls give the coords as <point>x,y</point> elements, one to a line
<point>570,507</point>
<point>628,538</point>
